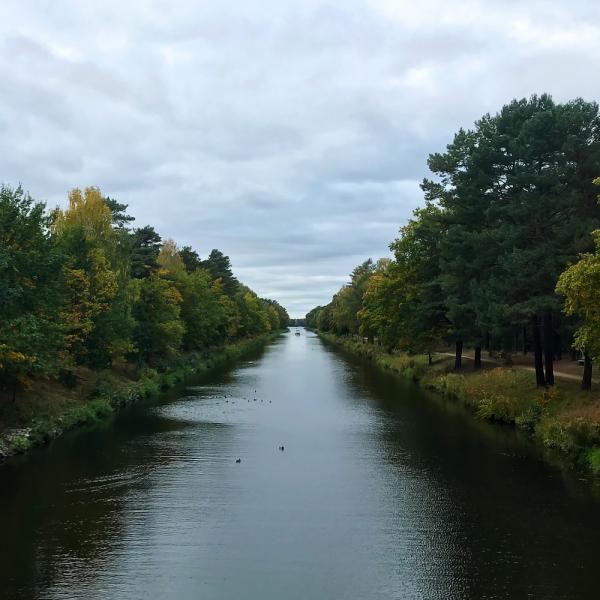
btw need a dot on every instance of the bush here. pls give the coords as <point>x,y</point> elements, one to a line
<point>594,459</point>
<point>573,436</point>
<point>111,388</point>
<point>85,414</point>
<point>19,444</point>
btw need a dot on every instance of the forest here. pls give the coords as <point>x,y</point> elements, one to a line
<point>505,253</point>
<point>83,287</point>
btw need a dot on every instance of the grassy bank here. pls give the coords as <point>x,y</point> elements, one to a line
<point>561,418</point>
<point>50,407</point>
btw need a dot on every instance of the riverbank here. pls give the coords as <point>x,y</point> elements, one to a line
<point>50,408</point>
<point>561,418</point>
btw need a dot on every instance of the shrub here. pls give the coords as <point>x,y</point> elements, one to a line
<point>594,459</point>
<point>19,444</point>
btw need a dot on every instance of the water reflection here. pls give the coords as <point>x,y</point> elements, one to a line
<point>380,493</point>
<point>502,523</point>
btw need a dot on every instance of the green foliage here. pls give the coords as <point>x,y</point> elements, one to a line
<point>203,310</point>
<point>144,245</point>
<point>580,285</point>
<point>79,287</point>
<point>511,205</point>
<point>573,436</point>
<point>219,266</point>
<point>86,414</point>
<point>191,259</point>
<point>594,459</point>
<point>31,335</point>
<point>120,219</point>
<point>158,329</point>
<point>347,303</point>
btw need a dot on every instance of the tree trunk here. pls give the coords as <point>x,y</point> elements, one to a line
<point>537,353</point>
<point>477,361</point>
<point>458,356</point>
<point>549,348</point>
<point>586,381</point>
<point>525,340</point>
<point>430,360</point>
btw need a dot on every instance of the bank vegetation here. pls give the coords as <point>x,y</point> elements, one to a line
<point>503,259</point>
<point>95,311</point>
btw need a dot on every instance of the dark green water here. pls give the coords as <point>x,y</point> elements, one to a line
<point>380,493</point>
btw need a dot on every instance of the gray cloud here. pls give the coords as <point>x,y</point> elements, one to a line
<point>291,136</point>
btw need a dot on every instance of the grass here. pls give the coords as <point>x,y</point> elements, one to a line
<point>562,417</point>
<point>49,408</point>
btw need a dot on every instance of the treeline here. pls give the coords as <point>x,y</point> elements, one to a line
<point>81,286</point>
<point>501,256</point>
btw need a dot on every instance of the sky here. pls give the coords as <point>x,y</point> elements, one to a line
<point>290,135</point>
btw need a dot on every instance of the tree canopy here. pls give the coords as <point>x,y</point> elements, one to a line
<point>80,286</point>
<point>510,205</point>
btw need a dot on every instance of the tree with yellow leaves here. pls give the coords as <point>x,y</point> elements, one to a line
<point>88,212</point>
<point>169,259</point>
<point>580,285</point>
<point>90,278</point>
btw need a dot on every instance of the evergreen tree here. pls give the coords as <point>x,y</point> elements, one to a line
<point>219,266</point>
<point>145,247</point>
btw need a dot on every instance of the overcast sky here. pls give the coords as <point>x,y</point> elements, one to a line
<point>290,135</point>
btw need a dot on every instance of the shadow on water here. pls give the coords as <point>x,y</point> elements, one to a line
<point>70,498</point>
<point>65,503</point>
<point>507,522</point>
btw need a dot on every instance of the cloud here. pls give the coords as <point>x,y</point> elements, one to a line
<point>291,136</point>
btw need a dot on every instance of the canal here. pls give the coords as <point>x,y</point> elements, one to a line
<point>380,492</point>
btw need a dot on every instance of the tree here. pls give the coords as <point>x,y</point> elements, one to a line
<point>546,210</point>
<point>190,258</point>
<point>580,285</point>
<point>282,315</point>
<point>253,316</point>
<point>120,218</point>
<point>90,286</point>
<point>145,247</point>
<point>517,198</point>
<point>169,258</point>
<point>381,314</point>
<point>79,287</point>
<point>325,319</point>
<point>91,280</point>
<point>348,301</point>
<point>87,212</point>
<point>30,292</point>
<point>421,310</point>
<point>203,311</point>
<point>219,266</point>
<point>467,249</point>
<point>159,329</point>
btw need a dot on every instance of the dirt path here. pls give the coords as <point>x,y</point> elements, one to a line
<point>557,373</point>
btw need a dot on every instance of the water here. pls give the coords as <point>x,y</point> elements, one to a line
<point>380,493</point>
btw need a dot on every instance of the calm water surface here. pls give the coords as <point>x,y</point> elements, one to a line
<point>380,493</point>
